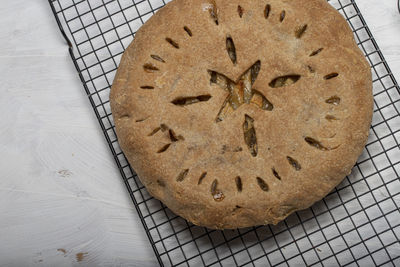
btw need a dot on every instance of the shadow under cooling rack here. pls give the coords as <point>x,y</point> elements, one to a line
<point>357,224</point>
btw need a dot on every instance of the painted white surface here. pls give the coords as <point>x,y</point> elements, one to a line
<point>60,191</point>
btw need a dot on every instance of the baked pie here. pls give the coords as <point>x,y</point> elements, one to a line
<point>238,113</point>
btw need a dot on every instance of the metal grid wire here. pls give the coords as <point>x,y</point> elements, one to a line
<point>357,224</point>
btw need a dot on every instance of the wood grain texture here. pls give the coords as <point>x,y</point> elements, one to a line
<point>62,201</point>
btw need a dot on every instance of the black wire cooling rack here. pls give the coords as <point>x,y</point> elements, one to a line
<point>357,224</point>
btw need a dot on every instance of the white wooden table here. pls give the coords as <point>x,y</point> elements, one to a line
<point>62,200</point>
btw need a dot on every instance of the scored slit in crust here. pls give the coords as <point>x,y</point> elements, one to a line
<point>238,113</point>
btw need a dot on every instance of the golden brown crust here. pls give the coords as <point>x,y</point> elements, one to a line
<point>171,146</point>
